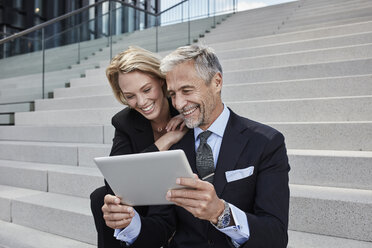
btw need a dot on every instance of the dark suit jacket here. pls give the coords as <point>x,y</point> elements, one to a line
<point>263,196</point>
<point>133,134</point>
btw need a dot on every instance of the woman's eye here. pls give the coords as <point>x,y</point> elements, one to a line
<point>128,97</point>
<point>147,90</point>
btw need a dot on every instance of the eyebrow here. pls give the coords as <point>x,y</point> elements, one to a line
<point>183,87</point>
<point>144,86</point>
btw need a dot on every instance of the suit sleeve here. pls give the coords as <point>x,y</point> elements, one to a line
<point>157,227</point>
<point>269,222</point>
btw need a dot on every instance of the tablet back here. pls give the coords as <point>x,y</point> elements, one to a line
<point>144,178</point>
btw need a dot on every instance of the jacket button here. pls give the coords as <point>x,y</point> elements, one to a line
<point>210,242</point>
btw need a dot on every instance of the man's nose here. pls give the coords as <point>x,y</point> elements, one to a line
<point>179,102</point>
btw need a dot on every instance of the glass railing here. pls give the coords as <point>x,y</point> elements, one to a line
<point>32,65</point>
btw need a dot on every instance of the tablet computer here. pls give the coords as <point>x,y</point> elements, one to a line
<point>144,178</point>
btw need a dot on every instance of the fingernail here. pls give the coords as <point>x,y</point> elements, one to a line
<point>178,181</point>
<point>117,200</point>
<point>169,195</point>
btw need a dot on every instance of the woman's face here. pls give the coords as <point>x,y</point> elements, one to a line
<point>143,93</point>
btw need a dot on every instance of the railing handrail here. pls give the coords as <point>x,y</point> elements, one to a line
<point>160,13</point>
<point>62,17</point>
<point>47,23</point>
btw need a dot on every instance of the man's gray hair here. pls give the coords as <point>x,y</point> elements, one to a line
<point>205,61</point>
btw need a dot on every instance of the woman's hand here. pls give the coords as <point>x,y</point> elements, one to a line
<point>170,138</point>
<point>175,122</point>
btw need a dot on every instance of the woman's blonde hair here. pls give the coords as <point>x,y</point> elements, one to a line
<point>133,59</point>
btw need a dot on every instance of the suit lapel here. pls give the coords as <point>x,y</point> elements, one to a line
<point>233,143</point>
<point>144,135</point>
<point>187,144</point>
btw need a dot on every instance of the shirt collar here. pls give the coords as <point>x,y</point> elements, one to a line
<point>218,126</point>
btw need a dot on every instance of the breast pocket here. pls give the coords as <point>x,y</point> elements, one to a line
<point>239,174</point>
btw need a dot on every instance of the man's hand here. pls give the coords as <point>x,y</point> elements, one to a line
<point>116,215</point>
<point>200,199</point>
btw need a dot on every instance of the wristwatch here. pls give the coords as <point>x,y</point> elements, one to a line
<point>224,218</point>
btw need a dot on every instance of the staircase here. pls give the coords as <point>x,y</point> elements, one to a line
<point>21,76</point>
<point>303,67</point>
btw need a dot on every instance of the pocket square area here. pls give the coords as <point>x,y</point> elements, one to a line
<point>239,174</point>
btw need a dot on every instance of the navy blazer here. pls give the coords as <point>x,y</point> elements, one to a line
<point>133,134</point>
<point>263,196</point>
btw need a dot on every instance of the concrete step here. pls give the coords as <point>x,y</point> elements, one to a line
<point>306,110</point>
<point>309,71</point>
<point>299,58</point>
<point>90,90</point>
<point>296,19</point>
<point>352,108</point>
<point>67,216</point>
<point>61,179</point>
<point>34,90</point>
<point>321,87</point>
<point>78,134</point>
<point>310,240</point>
<point>275,28</point>
<point>344,169</point>
<point>16,107</point>
<point>88,102</point>
<point>290,27</point>
<point>291,89</point>
<point>53,153</point>
<point>352,10</point>
<point>277,73</point>
<point>349,136</point>
<point>7,195</point>
<point>302,35</point>
<point>339,212</point>
<point>67,117</point>
<point>296,46</point>
<point>99,78</point>
<point>26,97</point>
<point>32,238</point>
<point>6,119</point>
<point>328,168</point>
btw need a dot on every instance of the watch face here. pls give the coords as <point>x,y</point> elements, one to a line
<point>226,220</point>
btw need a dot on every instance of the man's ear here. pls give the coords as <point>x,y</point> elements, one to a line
<point>217,81</point>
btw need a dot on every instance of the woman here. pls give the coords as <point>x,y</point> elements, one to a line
<point>145,126</point>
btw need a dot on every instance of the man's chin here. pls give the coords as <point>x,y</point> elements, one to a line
<point>192,123</point>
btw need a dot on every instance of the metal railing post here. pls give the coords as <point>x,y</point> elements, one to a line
<point>214,14</point>
<point>110,28</point>
<point>78,61</point>
<point>189,22</point>
<point>157,32</point>
<point>43,61</point>
<point>4,47</point>
<point>208,7</point>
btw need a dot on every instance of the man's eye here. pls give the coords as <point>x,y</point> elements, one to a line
<point>186,91</point>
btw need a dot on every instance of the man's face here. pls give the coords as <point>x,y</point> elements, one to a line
<point>200,104</point>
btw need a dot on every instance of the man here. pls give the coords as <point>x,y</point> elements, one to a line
<point>240,197</point>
